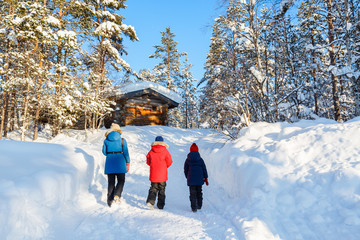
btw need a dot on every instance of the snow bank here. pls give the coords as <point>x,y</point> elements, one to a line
<point>300,181</point>
<point>37,181</point>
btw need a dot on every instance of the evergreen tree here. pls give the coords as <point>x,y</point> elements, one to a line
<point>329,4</point>
<point>168,71</point>
<point>62,103</point>
<point>344,67</point>
<point>106,27</point>
<point>315,90</point>
<point>210,100</point>
<point>234,68</point>
<point>5,89</point>
<point>30,41</point>
<point>186,114</point>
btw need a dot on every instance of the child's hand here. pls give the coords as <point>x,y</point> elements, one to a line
<point>206,181</point>
<point>127,167</point>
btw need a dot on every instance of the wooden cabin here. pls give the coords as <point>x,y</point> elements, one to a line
<point>140,104</point>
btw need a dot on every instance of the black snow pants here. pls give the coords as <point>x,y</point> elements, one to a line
<point>157,189</point>
<point>196,197</point>
<point>115,190</point>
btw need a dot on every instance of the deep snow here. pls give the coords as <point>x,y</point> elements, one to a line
<point>276,181</point>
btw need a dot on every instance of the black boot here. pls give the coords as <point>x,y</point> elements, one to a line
<point>110,200</point>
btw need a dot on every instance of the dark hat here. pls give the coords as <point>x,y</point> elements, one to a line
<point>194,148</point>
<point>159,139</point>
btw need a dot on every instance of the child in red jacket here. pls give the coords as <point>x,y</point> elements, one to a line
<point>159,159</point>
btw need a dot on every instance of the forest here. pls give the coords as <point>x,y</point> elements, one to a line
<point>266,62</point>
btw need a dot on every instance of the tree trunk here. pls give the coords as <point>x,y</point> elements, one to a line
<point>55,127</point>
<point>37,113</point>
<point>3,111</point>
<point>275,116</point>
<point>168,68</point>
<point>85,123</point>
<point>25,119</point>
<point>13,119</point>
<point>36,120</point>
<point>186,112</point>
<point>335,81</point>
<point>6,117</point>
<point>266,66</point>
<point>314,78</point>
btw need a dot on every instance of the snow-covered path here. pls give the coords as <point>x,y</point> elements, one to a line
<point>132,219</point>
<point>285,181</point>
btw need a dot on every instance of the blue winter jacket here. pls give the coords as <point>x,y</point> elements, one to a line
<point>195,169</point>
<point>115,162</point>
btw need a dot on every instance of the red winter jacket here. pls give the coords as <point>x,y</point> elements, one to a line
<point>159,159</point>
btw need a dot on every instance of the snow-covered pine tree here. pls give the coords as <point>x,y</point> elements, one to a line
<point>62,103</point>
<point>186,114</point>
<point>5,8</point>
<point>284,80</point>
<point>344,70</point>
<point>332,48</point>
<point>234,69</point>
<point>29,39</point>
<point>168,71</point>
<point>49,48</point>
<point>314,94</point>
<point>192,99</point>
<point>209,105</point>
<point>222,98</point>
<point>105,27</point>
<point>256,51</point>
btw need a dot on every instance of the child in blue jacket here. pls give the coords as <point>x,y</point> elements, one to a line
<point>117,162</point>
<point>196,174</point>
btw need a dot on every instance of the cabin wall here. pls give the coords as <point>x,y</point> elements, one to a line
<point>141,115</point>
<point>139,111</point>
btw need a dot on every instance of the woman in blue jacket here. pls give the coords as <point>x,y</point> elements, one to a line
<point>117,162</point>
<point>196,174</point>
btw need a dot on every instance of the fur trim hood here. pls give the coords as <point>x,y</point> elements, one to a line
<point>159,143</point>
<point>114,127</point>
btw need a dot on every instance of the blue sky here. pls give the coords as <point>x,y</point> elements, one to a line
<point>190,20</point>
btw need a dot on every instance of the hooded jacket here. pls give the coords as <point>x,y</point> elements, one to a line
<point>115,162</point>
<point>159,159</point>
<point>194,168</point>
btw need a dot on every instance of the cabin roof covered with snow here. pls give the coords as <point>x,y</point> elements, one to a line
<point>139,88</point>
